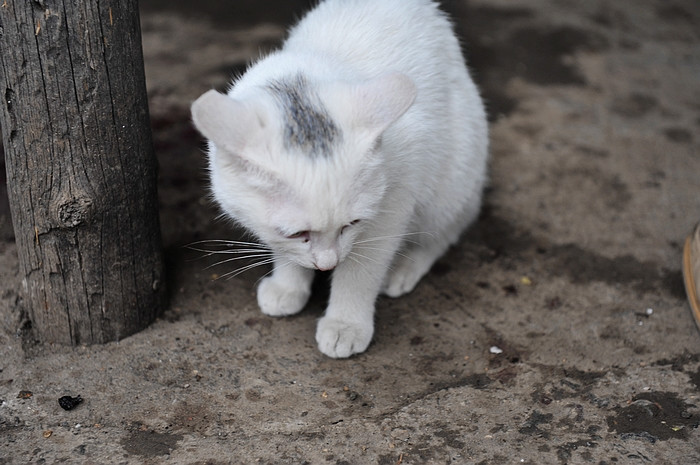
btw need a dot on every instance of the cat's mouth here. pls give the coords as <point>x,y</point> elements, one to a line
<point>325,267</point>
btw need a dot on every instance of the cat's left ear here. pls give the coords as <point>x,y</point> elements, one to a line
<point>384,100</point>
<point>372,106</point>
<point>381,101</point>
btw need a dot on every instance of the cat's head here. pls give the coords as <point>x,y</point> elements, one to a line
<point>301,166</point>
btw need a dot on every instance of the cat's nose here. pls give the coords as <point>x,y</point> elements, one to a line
<point>326,260</point>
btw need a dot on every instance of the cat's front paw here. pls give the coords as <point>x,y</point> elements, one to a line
<point>275,299</point>
<point>341,339</point>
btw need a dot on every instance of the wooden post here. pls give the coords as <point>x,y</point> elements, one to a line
<point>81,170</point>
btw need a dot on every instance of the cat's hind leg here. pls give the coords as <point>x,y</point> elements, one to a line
<point>286,291</point>
<point>414,260</point>
<point>410,265</point>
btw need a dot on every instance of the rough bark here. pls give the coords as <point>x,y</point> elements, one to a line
<point>81,170</point>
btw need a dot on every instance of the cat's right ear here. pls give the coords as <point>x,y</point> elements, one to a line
<point>235,129</point>
<point>228,123</point>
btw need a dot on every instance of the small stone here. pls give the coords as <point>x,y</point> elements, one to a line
<point>69,403</point>
<point>496,350</point>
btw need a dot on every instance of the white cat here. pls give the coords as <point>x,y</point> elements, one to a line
<point>359,147</point>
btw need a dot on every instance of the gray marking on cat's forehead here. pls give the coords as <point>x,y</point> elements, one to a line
<point>307,124</point>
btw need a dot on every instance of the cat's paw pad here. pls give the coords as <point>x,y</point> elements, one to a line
<point>275,299</point>
<point>341,339</point>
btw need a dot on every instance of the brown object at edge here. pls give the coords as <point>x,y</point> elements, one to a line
<point>691,267</point>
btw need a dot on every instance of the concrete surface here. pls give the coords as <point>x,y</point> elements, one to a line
<point>556,332</point>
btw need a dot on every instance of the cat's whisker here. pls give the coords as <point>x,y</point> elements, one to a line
<point>406,241</point>
<point>399,253</point>
<point>264,276</point>
<point>234,273</point>
<point>357,254</point>
<point>351,257</point>
<point>246,257</point>
<point>209,253</point>
<point>212,247</point>
<point>224,242</point>
<point>395,236</point>
<point>362,265</point>
<point>278,266</point>
<point>406,234</point>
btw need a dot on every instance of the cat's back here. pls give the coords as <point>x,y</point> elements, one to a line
<point>375,33</point>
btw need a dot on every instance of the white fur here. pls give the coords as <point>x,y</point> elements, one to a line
<point>410,163</point>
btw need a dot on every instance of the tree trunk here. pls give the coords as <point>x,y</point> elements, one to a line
<point>81,170</point>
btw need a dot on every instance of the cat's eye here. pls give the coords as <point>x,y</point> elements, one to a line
<point>299,235</point>
<point>352,223</point>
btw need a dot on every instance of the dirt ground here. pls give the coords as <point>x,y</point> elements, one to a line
<point>556,332</point>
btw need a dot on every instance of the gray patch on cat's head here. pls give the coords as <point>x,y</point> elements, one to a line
<point>307,124</point>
